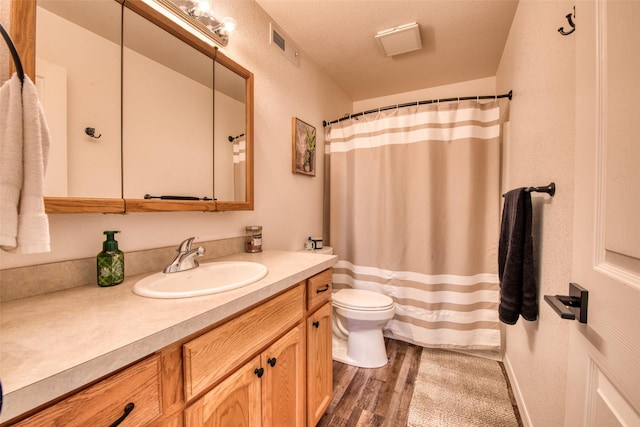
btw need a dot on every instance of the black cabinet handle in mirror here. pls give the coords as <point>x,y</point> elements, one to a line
<point>325,289</point>
<point>259,372</point>
<point>316,324</point>
<point>271,361</point>
<point>572,306</point>
<point>127,410</point>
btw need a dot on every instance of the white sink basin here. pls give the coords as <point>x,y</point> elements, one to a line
<point>206,279</point>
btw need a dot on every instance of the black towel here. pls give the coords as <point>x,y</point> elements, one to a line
<point>518,289</point>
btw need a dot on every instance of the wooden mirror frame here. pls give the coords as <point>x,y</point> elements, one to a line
<point>23,16</point>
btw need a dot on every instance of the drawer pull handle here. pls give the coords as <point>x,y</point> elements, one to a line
<point>127,410</point>
<point>316,324</point>
<point>325,289</point>
<point>271,361</point>
<point>259,372</point>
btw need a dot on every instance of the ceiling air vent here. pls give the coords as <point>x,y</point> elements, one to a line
<point>282,43</point>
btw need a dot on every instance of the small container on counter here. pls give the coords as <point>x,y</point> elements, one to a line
<point>308,245</point>
<point>317,242</point>
<point>253,238</point>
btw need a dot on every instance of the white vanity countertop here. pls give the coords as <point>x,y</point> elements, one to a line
<point>54,343</point>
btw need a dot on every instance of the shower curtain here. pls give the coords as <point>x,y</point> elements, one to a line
<point>414,214</point>
<point>239,168</point>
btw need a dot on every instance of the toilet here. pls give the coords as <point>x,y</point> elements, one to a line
<point>358,318</point>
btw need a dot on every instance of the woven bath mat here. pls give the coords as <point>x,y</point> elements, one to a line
<point>458,390</point>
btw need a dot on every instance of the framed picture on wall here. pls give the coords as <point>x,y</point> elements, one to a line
<point>304,148</point>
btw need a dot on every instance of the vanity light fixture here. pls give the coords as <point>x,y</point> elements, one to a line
<point>402,39</point>
<point>199,16</point>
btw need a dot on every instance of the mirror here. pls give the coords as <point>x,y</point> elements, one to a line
<point>230,168</point>
<point>78,81</point>
<point>168,98</point>
<point>215,103</point>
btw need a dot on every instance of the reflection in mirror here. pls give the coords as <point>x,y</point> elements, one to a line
<point>78,81</point>
<point>168,114</point>
<point>230,141</point>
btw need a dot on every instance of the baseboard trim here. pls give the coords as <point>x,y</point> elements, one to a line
<point>515,387</point>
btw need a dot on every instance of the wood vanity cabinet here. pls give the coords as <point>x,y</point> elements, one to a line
<point>268,366</point>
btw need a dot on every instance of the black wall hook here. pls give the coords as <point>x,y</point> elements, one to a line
<point>569,17</point>
<point>92,132</point>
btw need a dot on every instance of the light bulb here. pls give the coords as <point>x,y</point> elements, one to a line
<point>205,7</point>
<point>228,24</point>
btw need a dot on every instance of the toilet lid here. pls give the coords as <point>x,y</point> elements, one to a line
<point>360,299</point>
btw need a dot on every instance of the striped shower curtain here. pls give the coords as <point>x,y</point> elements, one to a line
<point>414,214</point>
<point>239,168</point>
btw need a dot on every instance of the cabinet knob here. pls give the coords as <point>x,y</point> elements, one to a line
<point>316,324</point>
<point>127,410</point>
<point>259,372</point>
<point>271,361</point>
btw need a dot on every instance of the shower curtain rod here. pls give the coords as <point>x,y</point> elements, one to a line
<point>409,104</point>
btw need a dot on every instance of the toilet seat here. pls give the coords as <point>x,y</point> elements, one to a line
<point>361,300</point>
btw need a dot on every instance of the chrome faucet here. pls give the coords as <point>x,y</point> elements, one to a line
<point>185,260</point>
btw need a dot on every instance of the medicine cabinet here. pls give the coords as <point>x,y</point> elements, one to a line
<point>137,106</point>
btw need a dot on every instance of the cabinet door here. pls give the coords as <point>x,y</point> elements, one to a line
<point>283,383</point>
<point>236,401</point>
<point>319,363</point>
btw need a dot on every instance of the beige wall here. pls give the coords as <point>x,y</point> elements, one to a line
<point>538,64</point>
<point>288,206</point>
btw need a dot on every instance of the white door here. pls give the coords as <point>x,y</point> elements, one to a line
<point>603,386</point>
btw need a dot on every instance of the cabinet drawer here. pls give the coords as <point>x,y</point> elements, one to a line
<point>319,289</point>
<point>104,402</point>
<point>211,356</point>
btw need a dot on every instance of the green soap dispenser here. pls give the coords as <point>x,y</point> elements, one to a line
<point>110,262</point>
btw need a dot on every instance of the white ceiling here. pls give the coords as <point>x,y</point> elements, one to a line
<point>461,40</point>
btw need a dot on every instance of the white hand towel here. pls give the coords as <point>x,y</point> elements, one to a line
<point>24,152</point>
<point>33,223</point>
<point>11,138</point>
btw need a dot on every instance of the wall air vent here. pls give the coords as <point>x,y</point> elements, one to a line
<point>282,43</point>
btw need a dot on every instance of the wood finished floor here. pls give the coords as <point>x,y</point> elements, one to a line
<point>374,397</point>
<point>378,397</point>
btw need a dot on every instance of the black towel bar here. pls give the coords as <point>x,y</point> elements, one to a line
<point>549,189</point>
